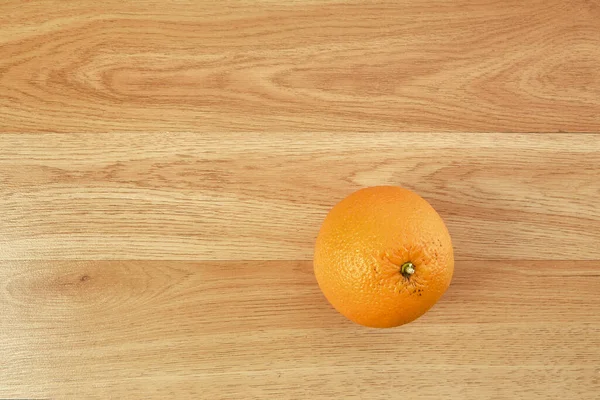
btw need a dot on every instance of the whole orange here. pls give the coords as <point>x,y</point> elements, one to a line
<point>383,256</point>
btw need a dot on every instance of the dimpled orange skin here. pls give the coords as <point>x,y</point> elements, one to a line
<point>363,244</point>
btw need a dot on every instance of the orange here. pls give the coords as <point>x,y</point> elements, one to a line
<point>383,256</point>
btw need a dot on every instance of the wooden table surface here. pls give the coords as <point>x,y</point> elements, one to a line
<point>165,167</point>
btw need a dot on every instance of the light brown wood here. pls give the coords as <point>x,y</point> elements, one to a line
<point>79,329</point>
<point>273,65</point>
<point>263,197</point>
<point>165,168</point>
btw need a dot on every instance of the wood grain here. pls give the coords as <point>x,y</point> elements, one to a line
<point>270,65</point>
<point>255,197</point>
<point>112,329</point>
<point>165,168</point>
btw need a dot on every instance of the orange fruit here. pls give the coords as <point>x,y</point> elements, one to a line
<point>383,256</point>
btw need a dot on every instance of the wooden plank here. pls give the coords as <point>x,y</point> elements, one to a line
<point>263,197</point>
<point>122,329</point>
<point>319,65</point>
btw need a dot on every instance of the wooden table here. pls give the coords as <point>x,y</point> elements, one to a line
<point>165,167</point>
